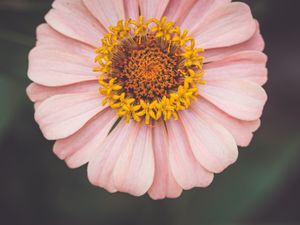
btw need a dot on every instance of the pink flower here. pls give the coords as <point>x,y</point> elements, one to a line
<point>155,95</point>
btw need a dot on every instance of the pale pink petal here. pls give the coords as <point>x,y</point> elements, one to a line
<point>227,25</point>
<point>212,145</point>
<point>178,9</point>
<point>134,170</point>
<point>48,37</point>
<point>248,65</point>
<point>62,115</point>
<point>38,93</point>
<point>242,131</point>
<point>71,18</point>
<point>102,164</point>
<point>107,12</point>
<point>132,9</point>
<point>164,184</point>
<point>199,11</point>
<point>52,67</point>
<point>187,171</point>
<point>255,43</point>
<point>153,8</point>
<point>241,99</point>
<point>79,148</point>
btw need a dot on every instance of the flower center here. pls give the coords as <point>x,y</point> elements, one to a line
<point>147,70</point>
<point>150,70</point>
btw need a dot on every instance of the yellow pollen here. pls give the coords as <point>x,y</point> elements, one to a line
<point>150,70</point>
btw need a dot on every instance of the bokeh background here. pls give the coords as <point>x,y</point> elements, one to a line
<point>262,188</point>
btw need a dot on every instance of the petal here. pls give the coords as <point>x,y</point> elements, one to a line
<point>134,170</point>
<point>78,149</point>
<point>125,162</point>
<point>107,12</point>
<point>48,37</point>
<point>226,26</point>
<point>241,99</point>
<point>212,145</point>
<point>62,115</point>
<point>132,9</point>
<point>101,166</point>
<point>255,43</point>
<point>240,130</point>
<point>71,18</point>
<point>51,67</point>
<point>153,8</point>
<point>199,10</point>
<point>178,9</point>
<point>248,65</point>
<point>187,171</point>
<point>164,184</point>
<point>39,93</point>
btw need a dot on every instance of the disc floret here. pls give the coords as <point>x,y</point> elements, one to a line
<point>149,69</point>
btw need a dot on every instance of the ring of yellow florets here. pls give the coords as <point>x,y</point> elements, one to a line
<point>164,107</point>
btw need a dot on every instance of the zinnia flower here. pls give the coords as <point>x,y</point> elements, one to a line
<point>155,95</point>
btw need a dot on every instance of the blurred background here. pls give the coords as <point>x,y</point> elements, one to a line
<point>262,188</point>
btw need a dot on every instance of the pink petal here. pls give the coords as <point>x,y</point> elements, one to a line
<point>255,43</point>
<point>71,18</point>
<point>79,148</point>
<point>38,93</point>
<point>134,170</point>
<point>212,145</point>
<point>240,130</point>
<point>132,9</point>
<point>200,10</point>
<point>62,115</point>
<point>248,65</point>
<point>227,25</point>
<point>48,37</point>
<point>153,8</point>
<point>164,184</point>
<point>178,9</point>
<point>187,171</point>
<point>52,67</point>
<point>241,99</point>
<point>107,12</point>
<point>101,166</point>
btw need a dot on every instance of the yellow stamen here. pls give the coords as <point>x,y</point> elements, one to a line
<point>150,70</point>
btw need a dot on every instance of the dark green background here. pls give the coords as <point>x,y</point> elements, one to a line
<point>261,188</point>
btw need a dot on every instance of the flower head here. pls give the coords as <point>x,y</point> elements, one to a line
<point>155,95</point>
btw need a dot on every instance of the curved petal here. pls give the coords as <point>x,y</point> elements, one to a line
<point>212,145</point>
<point>134,170</point>
<point>255,43</point>
<point>199,10</point>
<point>101,166</point>
<point>248,65</point>
<point>187,171</point>
<point>242,131</point>
<point>241,99</point>
<point>125,162</point>
<point>62,115</point>
<point>164,184</point>
<point>48,37</point>
<point>107,12</point>
<point>226,26</point>
<point>71,18</point>
<point>132,9</point>
<point>52,67</point>
<point>38,93</point>
<point>178,9</point>
<point>79,148</point>
<point>153,8</point>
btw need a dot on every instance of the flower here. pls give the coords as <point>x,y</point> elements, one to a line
<point>155,95</point>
